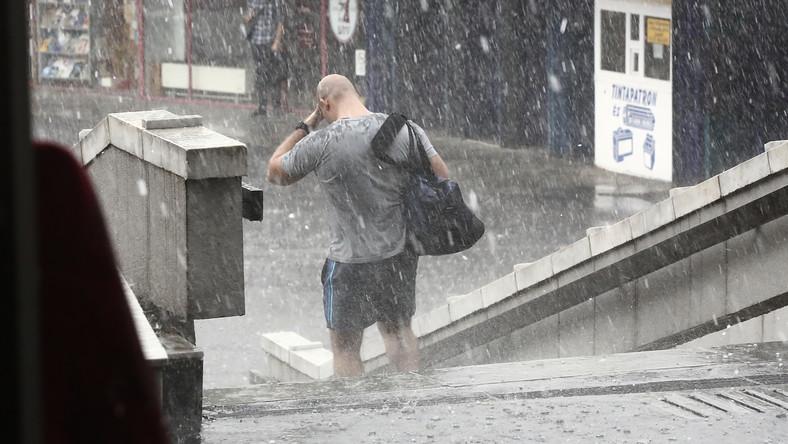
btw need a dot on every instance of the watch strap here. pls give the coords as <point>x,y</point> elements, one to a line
<point>303,126</point>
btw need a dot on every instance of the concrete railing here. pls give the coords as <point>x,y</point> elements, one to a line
<point>707,257</point>
<point>171,192</point>
<point>170,189</point>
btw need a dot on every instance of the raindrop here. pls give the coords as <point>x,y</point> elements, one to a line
<point>485,44</point>
<point>563,25</point>
<point>554,83</point>
<point>142,187</point>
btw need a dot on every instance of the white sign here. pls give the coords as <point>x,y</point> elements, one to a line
<point>633,89</point>
<point>343,16</point>
<point>361,62</point>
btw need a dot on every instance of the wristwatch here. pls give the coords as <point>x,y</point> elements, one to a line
<point>303,126</point>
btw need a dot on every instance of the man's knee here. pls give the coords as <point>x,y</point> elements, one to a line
<point>346,341</point>
<point>393,327</point>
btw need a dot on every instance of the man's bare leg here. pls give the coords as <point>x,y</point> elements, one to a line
<point>402,347</point>
<point>346,346</point>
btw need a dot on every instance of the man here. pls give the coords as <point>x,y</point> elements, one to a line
<point>370,275</point>
<point>265,31</point>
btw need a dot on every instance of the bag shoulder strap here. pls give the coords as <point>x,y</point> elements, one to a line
<point>417,162</point>
<point>386,135</point>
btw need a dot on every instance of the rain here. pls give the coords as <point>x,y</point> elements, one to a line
<point>625,156</point>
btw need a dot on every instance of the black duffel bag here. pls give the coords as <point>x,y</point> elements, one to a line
<point>437,219</point>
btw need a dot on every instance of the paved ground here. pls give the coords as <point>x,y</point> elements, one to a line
<point>532,204</point>
<point>737,394</point>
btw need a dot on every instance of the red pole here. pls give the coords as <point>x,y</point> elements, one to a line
<point>141,49</point>
<point>323,42</point>
<point>189,42</point>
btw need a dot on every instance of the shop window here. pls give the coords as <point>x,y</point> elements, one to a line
<point>614,35</point>
<point>657,54</point>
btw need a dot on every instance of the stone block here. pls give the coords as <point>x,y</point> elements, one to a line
<point>211,162</point>
<point>696,197</point>
<point>576,330</point>
<point>164,154</point>
<point>775,325</point>
<point>774,144</point>
<point>574,274</point>
<point>533,292</point>
<point>181,389</point>
<point>745,173</point>
<point>96,141</point>
<point>615,257</point>
<point>135,118</point>
<point>316,363</point>
<point>708,286</point>
<point>83,133</point>
<point>608,237</point>
<point>279,344</point>
<point>167,237</point>
<point>615,323</point>
<point>431,321</point>
<point>637,223</point>
<point>747,332</point>
<point>520,266</point>
<point>778,156</point>
<point>214,230</point>
<point>656,216</point>
<point>756,265</point>
<point>498,290</point>
<point>208,153</point>
<point>462,306</point>
<point>663,302</point>
<point>253,204</point>
<point>533,273</point>
<point>571,255</point>
<point>535,341</point>
<point>152,349</point>
<point>171,122</point>
<point>116,177</point>
<point>124,135</point>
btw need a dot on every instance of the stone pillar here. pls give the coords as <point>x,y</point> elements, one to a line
<point>170,190</point>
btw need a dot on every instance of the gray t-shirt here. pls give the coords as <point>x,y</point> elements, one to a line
<point>365,211</point>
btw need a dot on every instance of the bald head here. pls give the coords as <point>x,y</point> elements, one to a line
<point>335,87</point>
<point>338,98</point>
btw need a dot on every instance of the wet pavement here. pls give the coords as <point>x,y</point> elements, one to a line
<point>735,394</point>
<point>531,203</point>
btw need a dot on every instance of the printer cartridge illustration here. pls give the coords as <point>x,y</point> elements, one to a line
<point>648,152</point>
<point>622,144</point>
<point>639,117</point>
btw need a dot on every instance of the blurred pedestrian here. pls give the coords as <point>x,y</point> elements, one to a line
<point>265,30</point>
<point>370,274</point>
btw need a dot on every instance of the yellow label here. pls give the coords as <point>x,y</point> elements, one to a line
<point>658,31</point>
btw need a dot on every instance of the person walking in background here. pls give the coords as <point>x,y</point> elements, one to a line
<point>265,31</point>
<point>370,274</point>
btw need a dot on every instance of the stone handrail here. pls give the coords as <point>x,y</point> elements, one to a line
<point>690,220</point>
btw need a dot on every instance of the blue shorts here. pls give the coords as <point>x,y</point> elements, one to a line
<point>356,296</point>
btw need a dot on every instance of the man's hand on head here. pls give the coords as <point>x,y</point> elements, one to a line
<point>315,118</point>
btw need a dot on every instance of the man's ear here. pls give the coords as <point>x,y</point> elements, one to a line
<point>325,105</point>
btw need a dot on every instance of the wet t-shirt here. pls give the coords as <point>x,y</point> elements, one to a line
<point>365,210</point>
